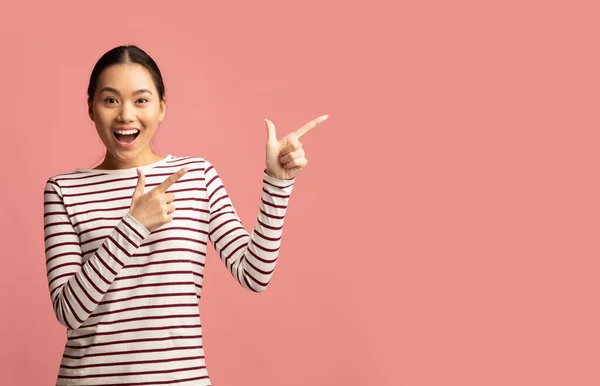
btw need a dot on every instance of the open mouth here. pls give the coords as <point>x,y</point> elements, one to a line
<point>126,136</point>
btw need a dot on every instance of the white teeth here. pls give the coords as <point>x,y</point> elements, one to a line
<point>126,132</point>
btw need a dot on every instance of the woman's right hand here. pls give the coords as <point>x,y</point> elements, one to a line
<point>155,208</point>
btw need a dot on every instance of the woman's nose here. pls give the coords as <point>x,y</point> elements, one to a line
<point>126,113</point>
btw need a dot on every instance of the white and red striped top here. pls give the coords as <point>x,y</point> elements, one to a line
<point>129,297</point>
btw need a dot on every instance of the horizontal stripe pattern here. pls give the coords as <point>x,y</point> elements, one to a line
<point>129,297</point>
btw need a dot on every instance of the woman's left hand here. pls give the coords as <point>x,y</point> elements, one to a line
<point>285,157</point>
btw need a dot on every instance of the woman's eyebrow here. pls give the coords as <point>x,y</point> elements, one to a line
<point>118,93</point>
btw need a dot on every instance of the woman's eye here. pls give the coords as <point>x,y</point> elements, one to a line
<point>110,99</point>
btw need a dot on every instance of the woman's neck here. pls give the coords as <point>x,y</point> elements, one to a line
<point>110,162</point>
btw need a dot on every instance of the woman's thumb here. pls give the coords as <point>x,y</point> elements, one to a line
<point>141,183</point>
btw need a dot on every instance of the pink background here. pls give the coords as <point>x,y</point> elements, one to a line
<point>445,231</point>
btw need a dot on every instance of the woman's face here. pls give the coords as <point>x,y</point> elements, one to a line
<point>126,99</point>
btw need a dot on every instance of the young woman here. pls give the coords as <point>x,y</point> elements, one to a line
<point>126,241</point>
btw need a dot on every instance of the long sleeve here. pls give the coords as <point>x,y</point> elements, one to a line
<point>77,287</point>
<point>250,258</point>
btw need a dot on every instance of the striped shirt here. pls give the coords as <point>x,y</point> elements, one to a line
<point>128,297</point>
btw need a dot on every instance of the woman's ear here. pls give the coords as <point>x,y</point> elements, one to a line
<point>163,109</point>
<point>90,111</point>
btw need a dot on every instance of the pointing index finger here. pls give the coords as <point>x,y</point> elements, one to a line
<point>166,184</point>
<point>310,125</point>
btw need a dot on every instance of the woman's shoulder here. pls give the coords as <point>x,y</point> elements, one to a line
<point>63,176</point>
<point>186,160</point>
<point>192,161</point>
<point>55,183</point>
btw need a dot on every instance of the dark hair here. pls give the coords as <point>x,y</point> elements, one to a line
<point>121,55</point>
